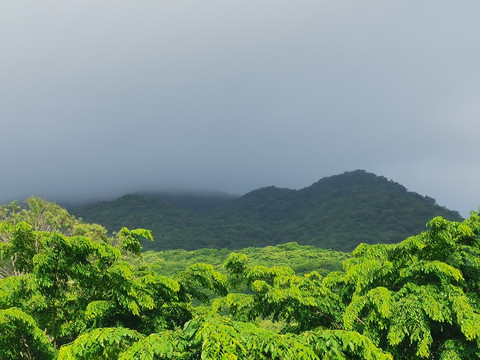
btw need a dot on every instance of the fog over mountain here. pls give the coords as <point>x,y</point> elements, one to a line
<point>100,99</point>
<point>337,212</point>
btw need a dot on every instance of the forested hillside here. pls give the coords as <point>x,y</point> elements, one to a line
<point>301,258</point>
<point>70,292</point>
<point>337,212</point>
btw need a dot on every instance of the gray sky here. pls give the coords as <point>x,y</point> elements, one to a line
<point>100,98</point>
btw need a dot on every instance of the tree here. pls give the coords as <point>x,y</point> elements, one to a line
<point>21,338</point>
<point>73,286</point>
<point>42,216</point>
<point>418,299</point>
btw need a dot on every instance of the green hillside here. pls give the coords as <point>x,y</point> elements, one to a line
<point>302,259</point>
<point>337,212</point>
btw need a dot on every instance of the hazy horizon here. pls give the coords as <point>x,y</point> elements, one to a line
<point>72,202</point>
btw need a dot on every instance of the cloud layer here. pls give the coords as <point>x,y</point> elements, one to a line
<point>102,98</point>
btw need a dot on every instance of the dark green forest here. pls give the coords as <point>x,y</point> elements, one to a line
<point>337,212</point>
<point>71,290</point>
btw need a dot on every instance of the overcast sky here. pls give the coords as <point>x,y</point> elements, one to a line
<point>101,98</point>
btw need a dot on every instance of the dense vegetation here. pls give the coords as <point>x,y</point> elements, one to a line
<point>69,292</point>
<point>301,258</point>
<point>337,212</point>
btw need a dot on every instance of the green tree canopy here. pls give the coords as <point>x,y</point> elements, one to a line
<point>74,295</point>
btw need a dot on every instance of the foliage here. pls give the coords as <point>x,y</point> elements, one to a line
<point>417,298</point>
<point>21,338</point>
<point>301,258</point>
<point>73,284</point>
<point>18,244</point>
<point>130,239</point>
<point>41,215</point>
<point>106,343</point>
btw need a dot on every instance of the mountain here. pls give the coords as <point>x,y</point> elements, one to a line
<point>337,212</point>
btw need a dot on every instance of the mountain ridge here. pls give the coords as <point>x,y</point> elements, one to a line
<point>336,212</point>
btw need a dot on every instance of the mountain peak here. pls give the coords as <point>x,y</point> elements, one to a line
<point>336,212</point>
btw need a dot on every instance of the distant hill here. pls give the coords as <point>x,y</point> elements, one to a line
<point>337,212</point>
